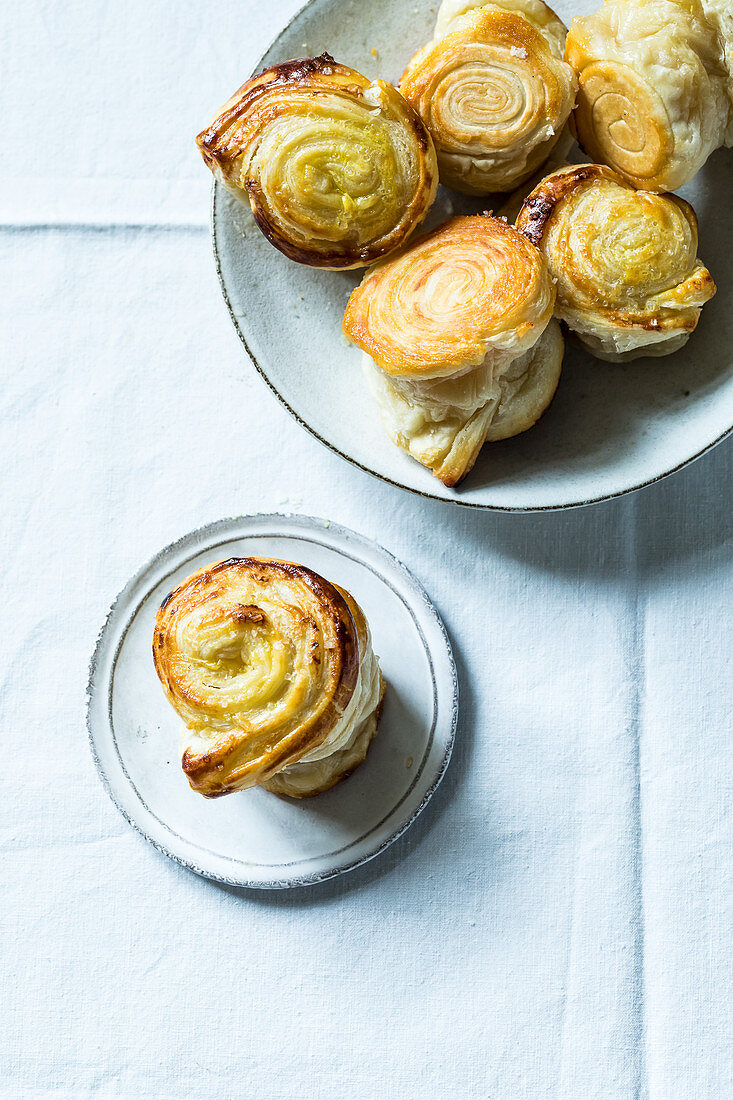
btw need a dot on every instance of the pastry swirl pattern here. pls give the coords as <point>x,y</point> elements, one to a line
<point>338,169</point>
<point>441,324</point>
<point>655,95</point>
<point>471,288</point>
<point>493,94</point>
<point>272,671</point>
<point>629,280</point>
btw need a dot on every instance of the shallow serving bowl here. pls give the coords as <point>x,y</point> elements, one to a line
<point>610,430</point>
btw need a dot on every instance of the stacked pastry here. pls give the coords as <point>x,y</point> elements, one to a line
<point>625,264</point>
<point>338,169</point>
<point>459,340</point>
<point>272,670</point>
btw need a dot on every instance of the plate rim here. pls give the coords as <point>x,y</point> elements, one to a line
<point>311,523</point>
<point>217,189</point>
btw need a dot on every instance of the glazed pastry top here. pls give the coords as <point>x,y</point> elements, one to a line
<point>338,169</point>
<point>539,14</point>
<point>495,94</point>
<point>655,91</point>
<point>262,660</point>
<point>472,288</point>
<point>625,261</point>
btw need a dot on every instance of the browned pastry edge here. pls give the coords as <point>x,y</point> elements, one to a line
<point>286,71</point>
<point>341,259</point>
<point>540,204</point>
<point>218,156</point>
<point>539,207</point>
<point>296,70</point>
<point>309,736</point>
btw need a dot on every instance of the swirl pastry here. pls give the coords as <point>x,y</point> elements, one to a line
<point>494,92</point>
<point>629,281</point>
<point>272,670</point>
<point>539,14</point>
<point>655,92</point>
<point>338,169</point>
<point>459,345</point>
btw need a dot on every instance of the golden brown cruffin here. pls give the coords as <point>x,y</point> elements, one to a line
<point>494,92</point>
<point>629,281</point>
<point>459,344</point>
<point>655,92</point>
<point>338,169</point>
<point>272,670</point>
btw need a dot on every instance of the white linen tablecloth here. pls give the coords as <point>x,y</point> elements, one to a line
<point>558,923</point>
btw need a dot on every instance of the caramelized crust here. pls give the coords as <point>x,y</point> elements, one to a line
<point>493,95</point>
<point>471,287</point>
<point>536,12</point>
<point>266,663</point>
<point>338,169</point>
<point>629,281</point>
<point>540,204</point>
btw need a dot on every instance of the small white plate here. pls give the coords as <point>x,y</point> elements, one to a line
<point>254,838</point>
<point>611,429</point>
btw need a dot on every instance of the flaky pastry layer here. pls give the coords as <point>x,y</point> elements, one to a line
<point>655,92</point>
<point>269,666</point>
<point>444,423</point>
<point>338,169</point>
<point>536,12</point>
<point>493,91</point>
<point>344,751</point>
<point>473,289</point>
<point>629,281</point>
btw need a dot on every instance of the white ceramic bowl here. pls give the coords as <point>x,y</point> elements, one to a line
<point>611,429</point>
<point>254,838</point>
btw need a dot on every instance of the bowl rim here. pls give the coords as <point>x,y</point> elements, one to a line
<point>216,192</point>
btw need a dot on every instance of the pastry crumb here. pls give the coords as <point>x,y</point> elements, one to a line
<point>410,761</point>
<point>375,52</point>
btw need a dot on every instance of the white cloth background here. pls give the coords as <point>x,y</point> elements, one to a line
<point>558,923</point>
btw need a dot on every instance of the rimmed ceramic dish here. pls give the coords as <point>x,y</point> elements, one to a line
<point>253,838</point>
<point>610,430</point>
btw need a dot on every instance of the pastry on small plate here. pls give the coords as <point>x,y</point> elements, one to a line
<point>629,280</point>
<point>338,169</point>
<point>459,341</point>
<point>493,90</point>
<point>272,670</point>
<point>656,87</point>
